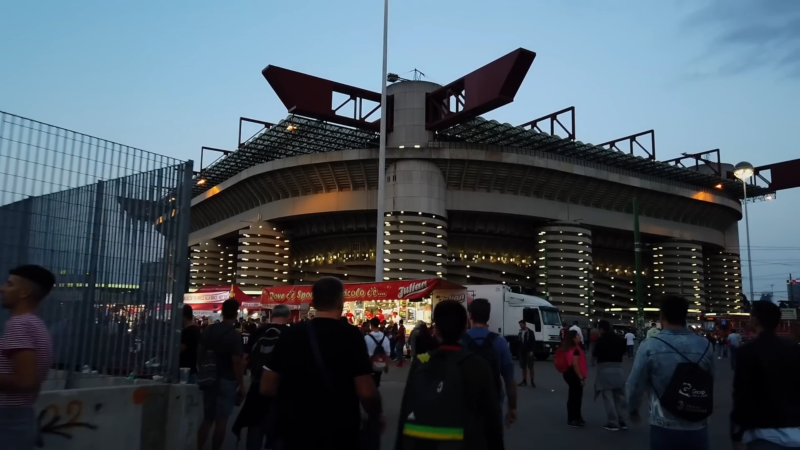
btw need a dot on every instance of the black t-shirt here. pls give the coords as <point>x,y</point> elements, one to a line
<point>190,337</point>
<point>226,343</point>
<point>334,412</point>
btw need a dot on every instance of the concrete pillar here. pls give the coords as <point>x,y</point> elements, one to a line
<point>409,114</point>
<point>212,264</point>
<point>263,257</point>
<point>564,256</point>
<point>723,282</point>
<point>678,268</point>
<point>415,245</point>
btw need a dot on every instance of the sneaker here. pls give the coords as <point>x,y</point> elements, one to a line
<point>533,385</point>
<point>610,427</point>
<point>582,422</point>
<point>623,426</point>
<point>524,383</point>
<point>574,424</point>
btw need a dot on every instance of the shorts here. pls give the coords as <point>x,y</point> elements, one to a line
<point>525,361</point>
<point>218,402</point>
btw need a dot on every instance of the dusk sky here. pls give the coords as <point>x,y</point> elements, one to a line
<point>170,77</point>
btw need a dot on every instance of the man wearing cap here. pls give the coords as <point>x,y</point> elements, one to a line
<point>26,354</point>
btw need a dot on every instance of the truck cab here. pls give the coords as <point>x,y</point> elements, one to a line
<point>508,308</point>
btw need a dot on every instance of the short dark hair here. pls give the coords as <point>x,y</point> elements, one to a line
<point>43,279</point>
<point>327,293</point>
<point>604,325</point>
<point>522,321</point>
<point>767,313</point>
<point>479,310</point>
<point>230,309</point>
<point>281,311</point>
<point>401,321</point>
<point>674,308</point>
<point>451,320</point>
<point>375,322</point>
<point>188,312</point>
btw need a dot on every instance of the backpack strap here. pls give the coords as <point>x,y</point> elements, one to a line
<point>684,356</point>
<point>489,340</point>
<point>312,336</point>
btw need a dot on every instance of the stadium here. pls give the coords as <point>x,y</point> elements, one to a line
<point>467,199</point>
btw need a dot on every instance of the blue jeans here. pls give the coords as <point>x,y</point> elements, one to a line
<point>256,434</point>
<point>218,402</point>
<point>18,428</point>
<point>630,351</point>
<point>669,439</point>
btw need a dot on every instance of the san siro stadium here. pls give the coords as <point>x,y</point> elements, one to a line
<point>467,199</point>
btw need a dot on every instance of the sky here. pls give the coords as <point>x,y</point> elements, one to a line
<point>170,77</point>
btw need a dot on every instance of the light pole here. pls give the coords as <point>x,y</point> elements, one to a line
<point>382,151</point>
<point>743,171</point>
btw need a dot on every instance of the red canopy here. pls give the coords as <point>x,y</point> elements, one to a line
<point>211,298</point>
<point>360,292</point>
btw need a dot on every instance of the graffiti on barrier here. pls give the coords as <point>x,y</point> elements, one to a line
<point>51,421</point>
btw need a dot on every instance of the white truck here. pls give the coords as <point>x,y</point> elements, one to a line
<point>508,308</point>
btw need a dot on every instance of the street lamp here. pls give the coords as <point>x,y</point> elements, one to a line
<point>743,171</point>
<point>382,150</point>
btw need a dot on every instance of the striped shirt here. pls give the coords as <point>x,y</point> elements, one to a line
<point>25,332</point>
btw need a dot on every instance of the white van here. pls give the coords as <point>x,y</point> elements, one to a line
<point>508,308</point>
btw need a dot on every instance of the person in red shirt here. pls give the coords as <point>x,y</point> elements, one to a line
<point>400,343</point>
<point>379,315</point>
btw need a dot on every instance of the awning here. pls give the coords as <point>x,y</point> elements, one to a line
<point>211,298</point>
<point>359,292</point>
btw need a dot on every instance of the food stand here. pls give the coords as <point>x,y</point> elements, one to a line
<point>411,300</point>
<point>209,299</point>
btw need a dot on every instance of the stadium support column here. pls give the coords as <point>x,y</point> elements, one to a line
<point>678,269</point>
<point>415,234</point>
<point>564,254</point>
<point>211,264</point>
<point>724,282</point>
<point>263,257</point>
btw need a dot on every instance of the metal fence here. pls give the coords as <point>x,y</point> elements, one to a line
<point>112,223</point>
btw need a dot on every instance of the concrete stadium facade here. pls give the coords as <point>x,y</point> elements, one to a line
<point>554,225</point>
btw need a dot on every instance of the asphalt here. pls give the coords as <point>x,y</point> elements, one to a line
<point>541,415</point>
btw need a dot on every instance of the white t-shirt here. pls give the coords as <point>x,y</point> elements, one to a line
<point>371,344</point>
<point>578,329</point>
<point>630,337</point>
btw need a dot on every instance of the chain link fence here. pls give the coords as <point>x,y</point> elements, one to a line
<point>112,223</point>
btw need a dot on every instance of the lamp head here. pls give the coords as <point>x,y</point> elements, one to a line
<point>743,170</point>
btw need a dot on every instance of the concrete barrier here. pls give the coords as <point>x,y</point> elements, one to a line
<point>119,414</point>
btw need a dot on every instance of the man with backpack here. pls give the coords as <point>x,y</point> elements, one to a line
<point>494,349</point>
<point>450,400</point>
<point>378,350</point>
<point>677,368</point>
<point>220,375</point>
<point>258,412</point>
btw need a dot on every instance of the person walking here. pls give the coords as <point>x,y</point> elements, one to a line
<point>322,376</point>
<point>400,343</point>
<point>734,342</point>
<point>494,348</point>
<point>527,342</point>
<point>190,339</point>
<point>377,348</point>
<point>609,384</point>
<point>575,372</point>
<point>666,363</point>
<point>26,354</point>
<point>576,328</point>
<point>630,341</point>
<point>450,398</point>
<point>765,414</point>
<point>258,413</point>
<point>220,375</point>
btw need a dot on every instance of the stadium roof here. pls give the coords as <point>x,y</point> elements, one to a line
<point>297,135</point>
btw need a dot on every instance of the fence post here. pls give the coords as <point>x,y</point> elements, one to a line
<point>86,321</point>
<point>180,266</point>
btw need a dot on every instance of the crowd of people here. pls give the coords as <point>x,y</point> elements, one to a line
<point>321,374</point>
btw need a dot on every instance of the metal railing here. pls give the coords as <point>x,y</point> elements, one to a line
<point>112,223</point>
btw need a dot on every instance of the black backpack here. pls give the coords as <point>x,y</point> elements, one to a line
<point>436,402</point>
<point>486,351</point>
<point>261,353</point>
<point>689,395</point>
<point>379,358</point>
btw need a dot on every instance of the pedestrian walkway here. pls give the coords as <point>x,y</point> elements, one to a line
<point>541,417</point>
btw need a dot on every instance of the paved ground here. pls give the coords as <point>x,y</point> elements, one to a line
<point>542,414</point>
